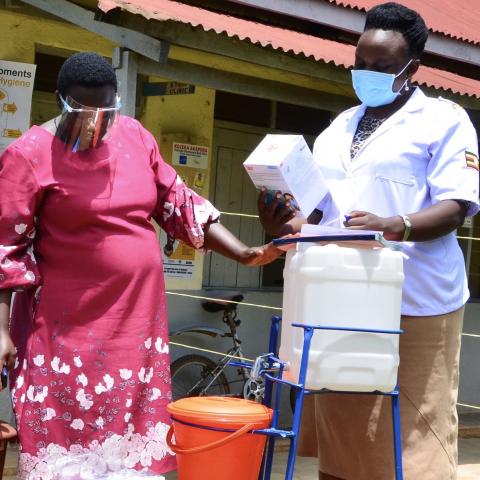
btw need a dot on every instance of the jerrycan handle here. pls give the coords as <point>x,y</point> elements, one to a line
<point>210,446</point>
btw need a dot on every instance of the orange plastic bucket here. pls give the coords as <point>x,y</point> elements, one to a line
<point>212,438</point>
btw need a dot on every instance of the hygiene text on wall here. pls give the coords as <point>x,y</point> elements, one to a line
<point>191,163</point>
<point>16,86</point>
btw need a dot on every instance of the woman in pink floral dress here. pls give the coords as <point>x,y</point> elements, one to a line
<point>89,318</point>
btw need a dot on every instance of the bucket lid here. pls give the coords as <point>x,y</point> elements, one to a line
<point>219,410</point>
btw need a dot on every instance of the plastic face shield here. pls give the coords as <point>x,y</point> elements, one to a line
<point>82,127</point>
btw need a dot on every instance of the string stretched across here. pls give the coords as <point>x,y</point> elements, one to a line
<point>475,407</point>
<point>247,215</point>
<point>221,354</point>
<point>260,306</point>
<point>223,300</point>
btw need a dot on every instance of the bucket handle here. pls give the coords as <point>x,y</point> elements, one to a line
<point>203,448</point>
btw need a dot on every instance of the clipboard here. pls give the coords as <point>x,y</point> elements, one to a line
<point>366,240</point>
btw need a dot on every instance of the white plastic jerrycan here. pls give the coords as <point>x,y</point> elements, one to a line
<point>343,287</point>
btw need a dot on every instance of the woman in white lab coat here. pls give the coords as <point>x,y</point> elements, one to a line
<point>407,165</point>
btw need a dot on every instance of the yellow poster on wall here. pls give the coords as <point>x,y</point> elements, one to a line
<point>191,163</point>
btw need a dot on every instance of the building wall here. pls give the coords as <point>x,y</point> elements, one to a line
<point>22,34</point>
<point>185,119</point>
<point>469,391</point>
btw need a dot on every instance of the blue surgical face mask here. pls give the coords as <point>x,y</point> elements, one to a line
<point>375,89</point>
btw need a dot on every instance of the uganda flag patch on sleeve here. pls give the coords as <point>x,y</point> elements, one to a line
<point>472,160</point>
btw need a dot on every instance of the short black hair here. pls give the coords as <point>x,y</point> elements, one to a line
<point>396,17</point>
<point>85,69</point>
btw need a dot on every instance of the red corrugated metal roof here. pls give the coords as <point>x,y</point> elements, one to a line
<point>288,41</point>
<point>456,18</point>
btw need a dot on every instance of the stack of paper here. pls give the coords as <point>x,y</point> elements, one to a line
<point>341,236</point>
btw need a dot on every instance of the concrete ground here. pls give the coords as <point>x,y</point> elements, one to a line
<point>305,469</point>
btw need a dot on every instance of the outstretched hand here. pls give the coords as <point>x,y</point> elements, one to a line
<point>257,256</point>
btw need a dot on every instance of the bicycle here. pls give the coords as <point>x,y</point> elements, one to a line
<point>198,375</point>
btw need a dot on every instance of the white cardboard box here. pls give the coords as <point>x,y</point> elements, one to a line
<point>285,163</point>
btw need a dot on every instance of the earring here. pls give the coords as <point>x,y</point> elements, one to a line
<point>407,88</point>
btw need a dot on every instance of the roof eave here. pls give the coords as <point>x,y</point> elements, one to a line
<point>353,20</point>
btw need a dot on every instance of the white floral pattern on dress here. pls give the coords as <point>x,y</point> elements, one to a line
<point>145,376</point>
<point>116,453</point>
<point>192,213</point>
<point>16,273</point>
<point>39,360</point>
<point>125,373</point>
<point>84,399</point>
<point>19,382</point>
<point>100,388</point>
<point>155,395</point>
<point>30,276</point>
<point>82,380</point>
<point>37,394</point>
<point>55,363</point>
<point>77,424</point>
<point>21,228</point>
<point>48,414</point>
<point>160,346</point>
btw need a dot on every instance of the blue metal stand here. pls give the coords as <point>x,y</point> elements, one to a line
<point>274,432</point>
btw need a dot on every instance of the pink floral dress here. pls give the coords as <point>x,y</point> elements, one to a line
<point>89,318</point>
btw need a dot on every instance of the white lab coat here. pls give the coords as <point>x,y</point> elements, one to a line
<point>415,159</point>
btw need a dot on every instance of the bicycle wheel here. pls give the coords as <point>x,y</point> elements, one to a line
<point>192,376</point>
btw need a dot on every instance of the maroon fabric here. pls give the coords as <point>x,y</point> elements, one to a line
<point>90,324</point>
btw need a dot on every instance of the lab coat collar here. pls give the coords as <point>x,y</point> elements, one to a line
<point>414,103</point>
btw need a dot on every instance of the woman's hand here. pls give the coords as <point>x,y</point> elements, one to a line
<point>392,227</point>
<point>8,352</point>
<point>221,240</point>
<point>275,215</point>
<point>256,256</point>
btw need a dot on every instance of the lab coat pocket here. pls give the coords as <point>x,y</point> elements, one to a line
<point>396,186</point>
<point>395,178</point>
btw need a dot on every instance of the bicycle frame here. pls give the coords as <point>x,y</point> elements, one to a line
<point>230,319</point>
<point>221,365</point>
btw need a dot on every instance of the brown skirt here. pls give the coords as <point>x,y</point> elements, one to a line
<point>352,434</point>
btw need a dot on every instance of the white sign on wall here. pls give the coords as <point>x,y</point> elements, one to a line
<point>16,87</point>
<point>191,156</point>
<point>191,163</point>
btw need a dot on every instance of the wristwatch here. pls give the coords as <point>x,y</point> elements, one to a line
<point>408,227</point>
